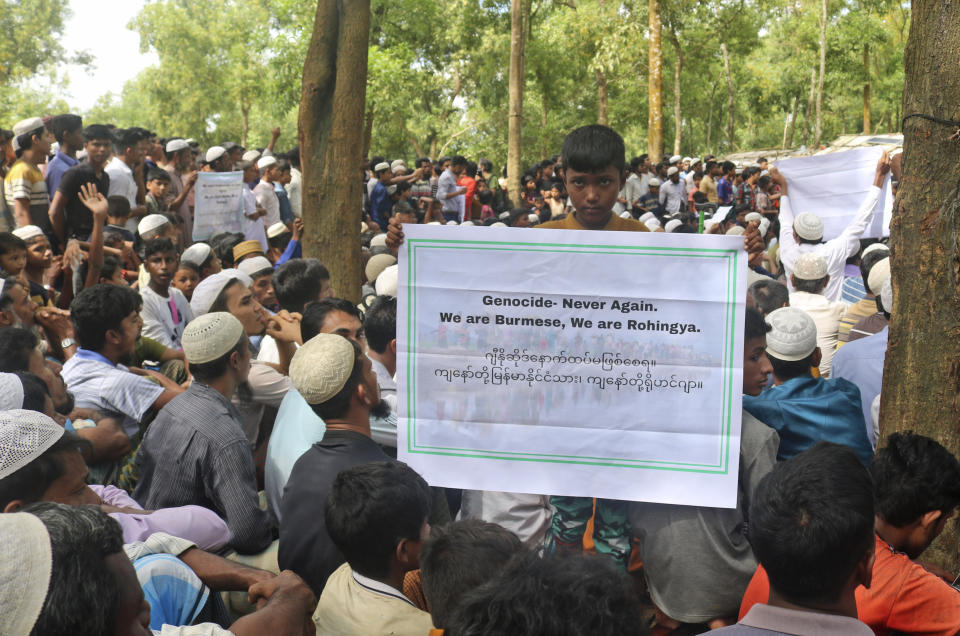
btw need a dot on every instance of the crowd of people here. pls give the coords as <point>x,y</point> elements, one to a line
<point>198,438</point>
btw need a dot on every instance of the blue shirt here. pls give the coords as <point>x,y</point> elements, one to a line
<point>55,169</point>
<point>861,362</point>
<point>380,205</point>
<point>286,211</point>
<point>295,430</point>
<point>725,191</point>
<point>806,410</point>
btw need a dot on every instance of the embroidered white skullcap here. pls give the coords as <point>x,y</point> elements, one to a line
<point>873,247</point>
<point>387,281</point>
<point>452,223</point>
<point>276,230</point>
<point>24,436</point>
<point>196,254</point>
<point>28,232</point>
<point>672,224</point>
<point>879,273</point>
<point>654,183</point>
<point>672,170</point>
<point>379,239</point>
<point>808,226</point>
<point>685,159</point>
<point>652,224</point>
<point>383,165</point>
<point>675,158</point>
<point>793,335</point>
<point>11,392</point>
<point>251,155</point>
<point>255,265</point>
<point>266,162</point>
<point>647,216</point>
<point>497,224</point>
<point>176,145</point>
<point>753,216</point>
<point>886,295</point>
<point>763,227</point>
<point>24,571</point>
<point>391,189</point>
<point>534,219</point>
<point>809,266</point>
<point>377,264</point>
<point>434,223</point>
<point>214,153</point>
<point>321,367</point>
<point>210,336</point>
<point>211,286</point>
<point>151,223</point>
<point>736,230</point>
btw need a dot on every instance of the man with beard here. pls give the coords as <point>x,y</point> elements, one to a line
<point>338,382</point>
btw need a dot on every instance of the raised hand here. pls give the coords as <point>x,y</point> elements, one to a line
<point>94,200</point>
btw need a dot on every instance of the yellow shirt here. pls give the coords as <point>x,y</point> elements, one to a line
<point>615,224</point>
<point>709,187</point>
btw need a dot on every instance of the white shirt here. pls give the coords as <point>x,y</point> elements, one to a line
<point>123,184</point>
<point>445,185</point>
<point>295,191</point>
<point>158,316</point>
<point>836,251</point>
<point>268,200</point>
<point>388,386</point>
<point>673,195</point>
<point>253,229</point>
<point>826,316</point>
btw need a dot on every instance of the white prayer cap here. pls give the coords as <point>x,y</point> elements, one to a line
<point>251,155</point>
<point>879,273</point>
<point>378,239</point>
<point>452,223</point>
<point>391,189</point>
<point>211,286</point>
<point>886,295</point>
<point>873,247</point>
<point>24,436</point>
<point>809,266</point>
<point>434,223</point>
<point>151,223</point>
<point>321,367</point>
<point>675,159</point>
<point>808,226</point>
<point>736,230</point>
<point>397,163</point>
<point>654,183</point>
<point>81,154</point>
<point>377,264</point>
<point>265,162</point>
<point>652,224</point>
<point>623,215</point>
<point>763,227</point>
<point>695,160</point>
<point>672,170</point>
<point>534,219</point>
<point>363,228</point>
<point>383,165</point>
<point>472,223</point>
<point>672,224</point>
<point>793,335</point>
<point>687,159</point>
<point>753,216</point>
<point>709,223</point>
<point>24,571</point>
<point>197,254</point>
<point>28,232</point>
<point>647,216</point>
<point>191,141</point>
<point>503,182</point>
<point>24,126</point>
<point>176,145</point>
<point>276,230</point>
<point>255,265</point>
<point>210,336</point>
<point>498,224</point>
<point>387,281</point>
<point>214,153</point>
<point>503,216</point>
<point>11,392</point>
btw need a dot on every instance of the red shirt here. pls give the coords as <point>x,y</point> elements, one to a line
<point>903,597</point>
<point>471,185</point>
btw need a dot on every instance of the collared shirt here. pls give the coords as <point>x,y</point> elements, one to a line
<point>767,619</point>
<point>725,191</point>
<point>746,195</point>
<point>55,169</point>
<point>97,383</point>
<point>709,187</point>
<point>194,453</point>
<point>305,546</point>
<point>267,199</point>
<point>123,183</point>
<point>673,196</point>
<point>861,362</point>
<point>25,181</point>
<point>286,210</point>
<point>447,184</point>
<point>380,205</point>
<point>853,289</point>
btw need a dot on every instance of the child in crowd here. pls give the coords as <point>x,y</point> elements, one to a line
<point>13,255</point>
<point>39,260</point>
<point>187,278</point>
<point>166,311</point>
<point>158,184</point>
<point>118,211</point>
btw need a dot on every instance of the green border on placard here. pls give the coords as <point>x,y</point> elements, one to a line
<point>727,388</point>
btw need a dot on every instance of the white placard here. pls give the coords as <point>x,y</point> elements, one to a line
<point>834,186</point>
<point>219,204</point>
<point>596,364</point>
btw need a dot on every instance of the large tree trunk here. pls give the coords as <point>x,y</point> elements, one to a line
<point>518,14</point>
<point>603,98</point>
<point>655,86</point>
<point>331,143</point>
<point>823,70</point>
<point>921,380</point>
<point>810,105</point>
<point>731,93</point>
<point>677,114</point>
<point>793,121</point>
<point>244,124</point>
<point>866,89</point>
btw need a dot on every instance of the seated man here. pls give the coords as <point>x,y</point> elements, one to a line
<point>338,382</point>
<point>811,528</point>
<point>376,515</point>
<point>687,549</point>
<point>916,486</point>
<point>809,279</point>
<point>77,580</point>
<point>295,285</point>
<point>867,305</point>
<point>459,558</point>
<point>195,451</point>
<point>804,409</point>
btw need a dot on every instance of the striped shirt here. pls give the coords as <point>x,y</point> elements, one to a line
<point>195,453</point>
<point>25,181</point>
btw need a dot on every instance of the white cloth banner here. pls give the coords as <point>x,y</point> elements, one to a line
<point>219,204</point>
<point>833,187</point>
<point>594,364</point>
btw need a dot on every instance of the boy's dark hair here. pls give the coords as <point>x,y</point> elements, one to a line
<point>280,241</point>
<point>158,174</point>
<point>372,507</point>
<point>458,160</point>
<point>25,141</point>
<point>338,405</point>
<point>97,131</point>
<point>727,166</point>
<point>118,206</point>
<point>27,484</point>
<point>811,523</point>
<point>593,148</point>
<point>485,197</point>
<point>569,596</point>
<point>223,244</point>
<point>124,138</point>
<point>769,295</point>
<point>789,369</point>
<point>914,475</point>
<point>460,557</point>
<point>157,246</point>
<point>99,309</point>
<point>754,325</point>
<point>471,169</point>
<point>380,323</point>
<point>293,156</point>
<point>866,264</point>
<point>764,181</point>
<point>315,313</point>
<point>809,286</point>
<point>62,124</point>
<point>486,164</point>
<point>298,282</point>
<point>16,347</point>
<point>35,392</point>
<point>207,372</point>
<point>189,265</point>
<point>110,265</point>
<point>10,242</point>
